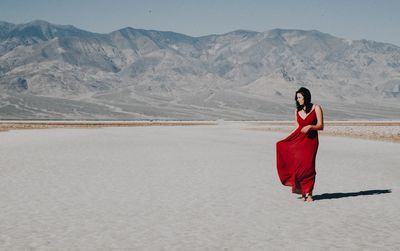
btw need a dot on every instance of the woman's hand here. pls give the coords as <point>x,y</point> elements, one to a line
<point>306,128</point>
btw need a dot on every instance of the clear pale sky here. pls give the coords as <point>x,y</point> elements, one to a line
<point>377,20</point>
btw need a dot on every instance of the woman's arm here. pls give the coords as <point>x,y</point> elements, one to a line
<point>295,120</point>
<point>320,119</point>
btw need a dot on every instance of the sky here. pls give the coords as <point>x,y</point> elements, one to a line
<point>351,19</point>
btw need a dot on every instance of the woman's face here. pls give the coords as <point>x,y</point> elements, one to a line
<point>300,98</point>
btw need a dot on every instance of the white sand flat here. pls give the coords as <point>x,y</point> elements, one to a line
<point>191,188</point>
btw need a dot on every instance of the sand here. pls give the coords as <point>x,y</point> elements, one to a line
<point>203,187</point>
<point>18,125</point>
<point>373,130</point>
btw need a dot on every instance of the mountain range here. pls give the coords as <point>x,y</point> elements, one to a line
<point>50,71</point>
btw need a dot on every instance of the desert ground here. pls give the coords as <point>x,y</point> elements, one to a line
<point>196,186</point>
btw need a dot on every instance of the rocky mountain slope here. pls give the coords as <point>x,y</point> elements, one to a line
<point>52,71</point>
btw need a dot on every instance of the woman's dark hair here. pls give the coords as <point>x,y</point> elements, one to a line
<point>307,99</point>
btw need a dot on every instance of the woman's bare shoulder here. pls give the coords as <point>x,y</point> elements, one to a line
<point>318,108</point>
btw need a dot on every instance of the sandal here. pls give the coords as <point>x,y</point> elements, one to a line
<point>308,198</point>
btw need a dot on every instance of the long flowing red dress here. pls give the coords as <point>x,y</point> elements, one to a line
<point>295,156</point>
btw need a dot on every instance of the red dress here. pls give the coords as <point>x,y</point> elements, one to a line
<point>295,156</point>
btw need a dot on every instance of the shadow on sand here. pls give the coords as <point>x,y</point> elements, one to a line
<point>328,196</point>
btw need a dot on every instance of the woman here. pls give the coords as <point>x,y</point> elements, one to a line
<point>295,155</point>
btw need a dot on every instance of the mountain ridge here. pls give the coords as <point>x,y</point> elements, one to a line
<point>147,74</point>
